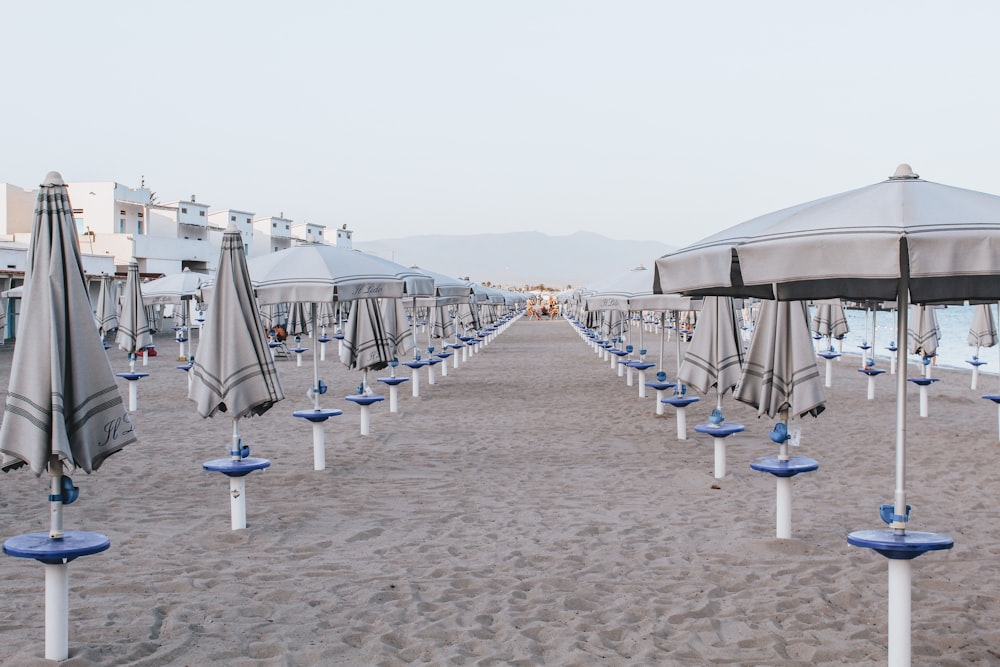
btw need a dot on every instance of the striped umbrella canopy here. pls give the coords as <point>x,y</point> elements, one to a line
<point>780,374</point>
<point>714,358</point>
<point>175,288</point>
<point>830,320</point>
<point>63,409</point>
<point>367,344</point>
<point>925,332</point>
<point>233,371</point>
<point>134,332</point>
<point>983,332</point>
<point>106,312</point>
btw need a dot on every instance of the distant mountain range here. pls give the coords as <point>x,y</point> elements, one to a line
<point>520,258</point>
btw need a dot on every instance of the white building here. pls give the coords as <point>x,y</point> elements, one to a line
<point>271,234</point>
<point>218,221</point>
<point>307,232</point>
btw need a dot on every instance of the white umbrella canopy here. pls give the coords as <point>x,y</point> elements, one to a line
<point>134,332</point>
<point>62,405</point>
<point>175,288</point>
<point>614,292</point>
<point>863,244</point>
<point>780,374</point>
<point>316,273</point>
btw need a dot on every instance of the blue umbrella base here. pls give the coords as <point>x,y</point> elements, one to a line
<point>793,466</point>
<point>41,547</point>
<point>317,414</point>
<point>899,547</point>
<point>231,468</point>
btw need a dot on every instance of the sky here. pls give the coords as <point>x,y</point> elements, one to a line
<point>635,119</point>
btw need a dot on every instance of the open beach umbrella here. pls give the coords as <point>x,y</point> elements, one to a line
<point>63,410</point>
<point>175,288</point>
<point>316,273</point>
<point>780,376</point>
<point>134,332</point>
<point>106,312</point>
<point>904,239</point>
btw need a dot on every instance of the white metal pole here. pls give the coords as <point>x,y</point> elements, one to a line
<point>393,398</point>
<point>899,612</point>
<point>133,395</point>
<point>365,420</point>
<point>319,447</point>
<point>784,508</point>
<point>720,457</point>
<point>238,502</point>
<point>56,611</point>
<point>682,423</point>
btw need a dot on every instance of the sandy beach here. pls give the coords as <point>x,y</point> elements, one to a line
<point>527,509</point>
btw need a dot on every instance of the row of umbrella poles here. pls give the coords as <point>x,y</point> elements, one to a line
<point>63,410</point>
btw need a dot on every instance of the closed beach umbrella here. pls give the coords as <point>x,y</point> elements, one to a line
<point>830,320</point>
<point>299,322</point>
<point>233,371</point>
<point>63,410</point>
<point>397,327</point>
<point>924,332</point>
<point>983,332</point>
<point>714,358</point>
<point>367,344</point>
<point>780,373</point>
<point>134,333</point>
<point>106,312</point>
<point>63,405</point>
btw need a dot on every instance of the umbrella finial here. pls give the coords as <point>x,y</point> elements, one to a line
<point>903,172</point>
<point>53,178</point>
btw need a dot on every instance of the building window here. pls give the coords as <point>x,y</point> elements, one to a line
<point>246,248</point>
<point>141,227</point>
<point>274,225</point>
<point>201,213</point>
<point>121,226</point>
<point>232,218</point>
<point>139,214</point>
<point>184,210</point>
<point>121,212</point>
<point>249,221</point>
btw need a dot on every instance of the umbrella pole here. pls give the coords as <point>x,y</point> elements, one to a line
<point>663,328</point>
<point>315,368</point>
<point>55,498</point>
<point>237,485</point>
<point>899,494</point>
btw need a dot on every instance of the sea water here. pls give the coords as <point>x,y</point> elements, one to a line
<point>953,344</point>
